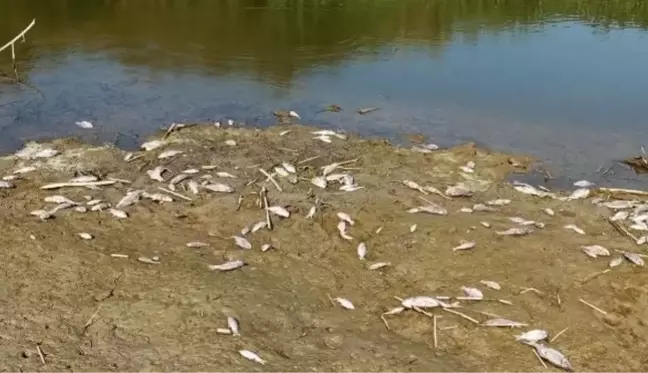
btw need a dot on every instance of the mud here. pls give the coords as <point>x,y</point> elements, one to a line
<point>87,310</point>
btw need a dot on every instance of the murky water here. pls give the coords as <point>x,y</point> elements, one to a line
<point>563,80</point>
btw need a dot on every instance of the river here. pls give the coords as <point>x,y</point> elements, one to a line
<point>562,80</point>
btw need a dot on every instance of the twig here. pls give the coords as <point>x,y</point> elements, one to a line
<point>530,289</point>
<point>270,178</point>
<point>238,203</point>
<point>13,41</point>
<point>539,358</point>
<point>175,194</point>
<point>627,191</point>
<point>264,195</point>
<point>434,321</point>
<point>308,159</point>
<point>622,230</point>
<point>91,320</point>
<point>592,306</point>
<point>462,315</point>
<point>558,335</point>
<point>40,354</point>
<point>594,275</point>
<point>120,180</point>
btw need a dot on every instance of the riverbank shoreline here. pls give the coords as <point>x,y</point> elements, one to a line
<point>139,294</point>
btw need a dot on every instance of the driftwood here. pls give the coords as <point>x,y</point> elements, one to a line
<point>12,44</point>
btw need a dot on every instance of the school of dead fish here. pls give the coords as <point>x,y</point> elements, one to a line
<point>190,182</point>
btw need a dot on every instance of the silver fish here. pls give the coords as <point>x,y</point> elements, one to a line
<point>491,284</point>
<point>615,262</point>
<point>323,138</point>
<point>584,184</point>
<point>433,209</point>
<point>281,171</point>
<point>93,202</point>
<point>472,293</point>
<point>516,231</point>
<point>279,211</point>
<point>578,194</point>
<point>413,228</point>
<point>192,185</point>
<point>330,168</point>
<point>230,142</point>
<point>379,265</point>
<point>288,167</point>
<point>362,251</point>
<point>549,211</point>
<point>498,202</point>
<point>169,154</point>
<point>555,357</point>
<point>177,179</point>
<point>258,226</point>
<point>83,179</point>
<point>130,199</point>
<point>465,245</point>
<point>150,145</point>
<point>412,185</point>
<point>311,212</point>
<point>345,303</point>
<point>319,182</point>
<point>227,266</point>
<point>595,251</point>
<point>157,197</point>
<point>100,206</point>
<point>620,215</point>
<point>345,217</point>
<point>156,173</point>
<point>485,224</point>
<point>85,236</point>
<point>482,207</point>
<point>118,213</point>
<point>620,204</point>
<point>81,209</point>
<point>196,244</point>
<point>245,231</point>
<point>265,247</point>
<point>342,229</point>
<point>532,336</point>
<point>574,228</point>
<point>59,199</point>
<point>252,356</point>
<point>191,171</point>
<point>634,258</point>
<point>24,170</point>
<point>10,178</point>
<point>420,302</point>
<point>500,322</point>
<point>242,242</point>
<point>219,188</point>
<point>233,325</point>
<point>459,190</point>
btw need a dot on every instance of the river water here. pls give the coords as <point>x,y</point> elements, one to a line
<point>562,80</point>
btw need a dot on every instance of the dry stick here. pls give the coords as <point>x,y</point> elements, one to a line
<point>270,178</point>
<point>91,319</point>
<point>40,354</point>
<point>462,315</point>
<point>627,191</point>
<point>120,180</point>
<point>623,252</point>
<point>594,275</point>
<point>558,335</point>
<point>592,306</point>
<point>622,230</point>
<point>264,194</point>
<point>308,159</point>
<point>436,342</point>
<point>175,194</point>
<point>539,358</point>
<point>13,41</point>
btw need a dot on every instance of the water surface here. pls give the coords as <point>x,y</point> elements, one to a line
<point>561,80</point>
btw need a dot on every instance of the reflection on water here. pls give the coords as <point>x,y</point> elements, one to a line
<point>562,79</point>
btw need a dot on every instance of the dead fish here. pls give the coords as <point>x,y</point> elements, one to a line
<point>345,217</point>
<point>288,167</point>
<point>413,228</point>
<point>500,322</point>
<point>219,188</point>
<point>177,179</point>
<point>472,293</point>
<point>258,226</point>
<point>130,198</point>
<point>266,247</point>
<point>483,208</point>
<point>311,212</point>
<point>379,265</point>
<point>93,202</point>
<point>330,168</point>
<point>230,142</point>
<point>515,231</point>
<point>233,325</point>
<point>485,224</point>
<point>279,211</point>
<point>620,215</point>
<point>10,178</point>
<point>459,190</point>
<point>549,211</point>
<point>465,245</point>
<point>191,171</point>
<point>531,190</point>
<point>157,197</point>
<point>169,154</point>
<point>24,170</point>
<point>362,251</point>
<point>616,262</point>
<point>252,356</point>
<point>45,153</point>
<point>467,210</point>
<point>574,228</point>
<point>595,251</point>
<point>420,302</point>
<point>42,214</point>
<point>436,191</point>
<point>412,185</point>
<point>420,149</point>
<point>209,167</point>
<point>83,179</point>
<point>342,229</point>
<point>491,284</point>
<point>620,204</point>
<point>433,209</point>
<point>143,259</point>
<point>100,206</point>
<point>196,244</point>
<point>351,188</point>
<point>323,138</point>
<point>345,303</point>
<point>521,221</point>
<point>367,110</point>
<point>118,213</point>
<point>227,266</point>
<point>284,133</point>
<point>584,184</point>
<point>245,231</point>
<point>532,336</point>
<point>634,258</point>
<point>192,185</point>
<point>156,173</point>
<point>555,357</point>
<point>85,236</point>
<point>642,240</point>
<point>81,209</point>
<point>498,202</point>
<point>150,145</point>
<point>281,171</point>
<point>579,194</point>
<point>466,169</point>
<point>230,122</point>
<point>242,242</point>
<point>59,199</point>
<point>640,226</point>
<point>319,181</point>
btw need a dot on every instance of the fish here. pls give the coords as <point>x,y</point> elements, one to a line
<point>24,170</point>
<point>118,213</point>
<point>45,153</point>
<point>281,171</point>
<point>634,258</point>
<point>413,228</point>
<point>491,284</point>
<point>151,145</point>
<point>362,251</point>
<point>467,210</point>
<point>84,124</point>
<point>323,138</point>
<point>156,173</point>
<point>379,265</point>
<point>245,231</point>
<point>620,204</point>
<point>311,212</point>
<point>59,199</point>
<point>584,184</point>
<point>342,229</point>
<point>279,211</point>
<point>85,236</point>
<point>595,251</point>
<point>578,194</point>
<point>227,266</point>
<point>501,322</point>
<point>345,303</point>
<point>483,208</point>
<point>93,202</point>
<point>252,356</point>
<point>196,244</point>
<point>10,177</point>
<point>345,217</point>
<point>265,247</point>
<point>230,142</point>
<point>412,185</point>
<point>532,336</point>
<point>284,133</point>
<point>615,262</point>
<point>485,224</point>
<point>100,206</point>
<point>498,202</point>
<point>319,181</point>
<point>620,215</point>
<point>531,190</point>
<point>465,245</point>
<point>258,226</point>
<point>219,188</point>
<point>472,293</point>
<point>574,228</point>
<point>177,179</point>
<point>330,168</point>
<point>289,167</point>
<point>81,209</point>
<point>459,190</point>
<point>351,188</point>
<point>191,171</point>
<point>230,122</point>
<point>553,356</point>
<point>169,154</point>
<point>233,325</point>
<point>129,199</point>
<point>420,302</point>
<point>192,185</point>
<point>516,231</point>
<point>242,242</point>
<point>433,209</point>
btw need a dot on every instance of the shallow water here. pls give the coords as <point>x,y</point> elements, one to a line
<point>561,80</point>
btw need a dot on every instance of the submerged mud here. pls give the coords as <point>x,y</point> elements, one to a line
<point>86,309</point>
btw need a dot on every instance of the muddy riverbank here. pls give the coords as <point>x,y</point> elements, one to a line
<point>136,297</point>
